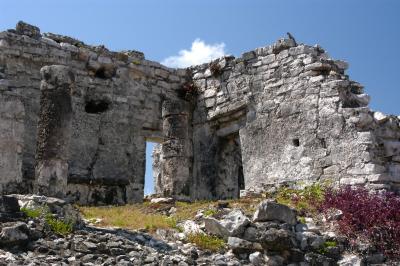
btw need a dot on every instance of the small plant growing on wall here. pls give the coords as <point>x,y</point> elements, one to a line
<point>189,89</point>
<point>215,69</point>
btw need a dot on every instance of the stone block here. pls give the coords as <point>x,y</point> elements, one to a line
<point>367,169</point>
<point>231,224</point>
<point>270,211</point>
<point>380,117</point>
<point>9,204</point>
<point>379,178</point>
<point>352,181</point>
<point>209,93</point>
<point>392,148</point>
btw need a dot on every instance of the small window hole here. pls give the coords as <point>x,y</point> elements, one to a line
<point>96,107</point>
<point>296,142</point>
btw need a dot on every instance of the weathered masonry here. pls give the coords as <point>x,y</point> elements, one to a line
<point>74,120</point>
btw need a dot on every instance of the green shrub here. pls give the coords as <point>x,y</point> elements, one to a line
<point>209,212</point>
<point>208,242</point>
<point>302,219</point>
<point>58,226</point>
<point>304,200</point>
<point>32,213</point>
<point>328,244</point>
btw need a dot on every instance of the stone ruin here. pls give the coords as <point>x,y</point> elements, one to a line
<point>75,118</point>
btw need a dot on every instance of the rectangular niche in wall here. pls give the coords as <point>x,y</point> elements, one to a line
<point>229,170</point>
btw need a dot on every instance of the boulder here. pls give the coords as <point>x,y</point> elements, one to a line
<point>375,258</point>
<point>15,234</point>
<point>190,227</point>
<point>162,200</point>
<point>275,260</point>
<point>311,226</point>
<point>240,246</point>
<point>9,209</point>
<point>333,214</point>
<point>257,258</point>
<point>318,259</point>
<point>277,239</point>
<point>350,260</point>
<point>269,210</point>
<point>307,238</point>
<point>232,224</point>
<point>8,204</point>
<point>59,207</point>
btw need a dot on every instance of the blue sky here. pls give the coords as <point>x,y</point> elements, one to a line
<point>365,33</point>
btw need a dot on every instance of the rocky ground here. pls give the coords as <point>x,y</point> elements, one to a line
<point>272,236</point>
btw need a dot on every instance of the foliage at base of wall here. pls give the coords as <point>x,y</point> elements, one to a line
<point>57,225</point>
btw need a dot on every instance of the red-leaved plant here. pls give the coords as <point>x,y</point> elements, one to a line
<point>374,216</point>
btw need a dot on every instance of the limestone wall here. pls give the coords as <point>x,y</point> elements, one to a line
<point>299,117</point>
<point>282,113</point>
<point>116,106</point>
<point>12,115</point>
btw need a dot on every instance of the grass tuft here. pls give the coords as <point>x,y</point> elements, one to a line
<point>32,213</point>
<point>207,242</point>
<point>58,226</point>
<point>304,200</point>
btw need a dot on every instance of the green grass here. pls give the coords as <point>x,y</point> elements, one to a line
<point>148,216</point>
<point>32,213</point>
<point>58,226</point>
<point>328,244</point>
<point>130,216</point>
<point>207,242</point>
<point>304,200</point>
<point>302,219</point>
<point>209,212</point>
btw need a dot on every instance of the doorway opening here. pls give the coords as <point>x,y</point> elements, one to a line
<point>230,179</point>
<point>153,167</point>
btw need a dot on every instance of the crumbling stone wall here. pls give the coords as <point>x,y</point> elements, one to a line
<point>116,105</point>
<point>282,113</point>
<point>299,118</point>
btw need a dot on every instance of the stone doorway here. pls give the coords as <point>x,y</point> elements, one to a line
<point>229,169</point>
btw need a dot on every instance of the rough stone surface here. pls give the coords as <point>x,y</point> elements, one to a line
<point>14,235</point>
<point>256,258</point>
<point>54,130</point>
<point>279,114</point>
<point>31,241</point>
<point>270,211</point>
<point>8,204</point>
<point>232,224</point>
<point>162,200</point>
<point>116,100</point>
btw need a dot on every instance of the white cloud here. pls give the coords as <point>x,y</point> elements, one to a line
<point>199,53</point>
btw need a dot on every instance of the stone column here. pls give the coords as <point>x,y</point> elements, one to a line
<point>176,150</point>
<point>54,130</point>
